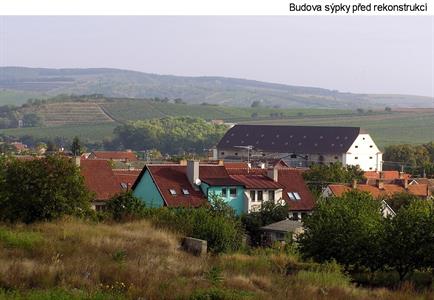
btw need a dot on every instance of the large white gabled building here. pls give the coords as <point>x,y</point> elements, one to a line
<point>301,146</point>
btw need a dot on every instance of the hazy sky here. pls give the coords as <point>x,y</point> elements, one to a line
<point>357,54</point>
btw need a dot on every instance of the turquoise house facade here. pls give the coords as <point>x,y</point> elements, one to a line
<point>232,195</point>
<point>147,191</point>
<point>169,185</point>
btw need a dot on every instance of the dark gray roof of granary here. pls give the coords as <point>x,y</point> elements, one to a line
<point>290,139</point>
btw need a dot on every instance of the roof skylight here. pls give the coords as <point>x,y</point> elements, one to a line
<point>172,192</point>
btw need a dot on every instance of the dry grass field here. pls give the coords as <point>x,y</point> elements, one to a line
<point>72,259</point>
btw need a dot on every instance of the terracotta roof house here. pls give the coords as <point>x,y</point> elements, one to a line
<point>124,156</point>
<point>244,189</point>
<point>381,190</point>
<point>300,146</point>
<point>104,182</point>
<point>99,179</point>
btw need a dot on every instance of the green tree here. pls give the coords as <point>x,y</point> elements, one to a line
<point>32,120</point>
<point>125,206</point>
<point>256,103</point>
<point>41,189</point>
<point>169,135</point>
<point>348,229</point>
<point>399,200</point>
<point>409,238</point>
<point>267,214</point>
<point>76,147</point>
<point>319,176</point>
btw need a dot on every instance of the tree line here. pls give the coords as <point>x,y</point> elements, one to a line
<point>169,135</point>
<point>415,159</point>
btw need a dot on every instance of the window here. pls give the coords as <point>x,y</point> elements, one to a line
<point>293,155</point>
<point>124,186</point>
<point>356,146</point>
<point>185,192</point>
<point>172,192</point>
<point>356,157</point>
<point>224,192</point>
<point>236,153</point>
<point>222,153</point>
<point>371,146</point>
<point>233,192</point>
<point>370,157</point>
<point>336,157</point>
<point>295,216</point>
<point>271,195</point>
<point>294,196</point>
<point>370,168</point>
<point>260,196</point>
<point>252,195</point>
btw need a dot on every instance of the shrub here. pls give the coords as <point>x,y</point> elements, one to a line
<point>125,206</point>
<point>41,189</point>
<point>222,232</point>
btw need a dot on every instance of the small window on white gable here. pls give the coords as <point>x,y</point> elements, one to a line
<point>357,146</point>
<point>185,192</point>
<point>172,192</point>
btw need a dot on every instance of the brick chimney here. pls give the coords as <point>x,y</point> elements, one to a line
<point>273,174</point>
<point>77,161</point>
<point>401,175</point>
<point>193,172</point>
<point>380,184</point>
<point>406,183</point>
<point>354,184</point>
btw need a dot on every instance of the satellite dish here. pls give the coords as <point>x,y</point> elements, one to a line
<point>197,181</point>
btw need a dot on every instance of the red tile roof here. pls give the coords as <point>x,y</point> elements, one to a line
<point>257,182</point>
<point>292,181</point>
<point>168,177</point>
<point>126,176</point>
<point>113,155</point>
<point>99,178</point>
<point>420,190</point>
<point>385,175</point>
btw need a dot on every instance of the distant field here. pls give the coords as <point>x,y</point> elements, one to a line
<point>87,133</point>
<point>14,97</point>
<point>92,120</point>
<point>124,110</point>
<point>386,129</point>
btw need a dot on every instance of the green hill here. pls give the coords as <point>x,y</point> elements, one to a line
<point>19,83</point>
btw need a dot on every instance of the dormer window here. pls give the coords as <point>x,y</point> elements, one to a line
<point>294,196</point>
<point>172,192</point>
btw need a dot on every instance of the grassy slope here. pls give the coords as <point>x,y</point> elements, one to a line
<point>139,110</point>
<point>88,133</point>
<point>75,260</point>
<point>386,129</point>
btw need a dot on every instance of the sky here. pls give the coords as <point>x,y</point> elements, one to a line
<point>351,54</point>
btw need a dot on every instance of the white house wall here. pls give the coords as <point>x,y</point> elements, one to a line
<point>365,153</point>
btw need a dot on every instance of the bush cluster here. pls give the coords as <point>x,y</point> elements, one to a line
<point>352,230</point>
<point>223,233</point>
<point>41,189</point>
